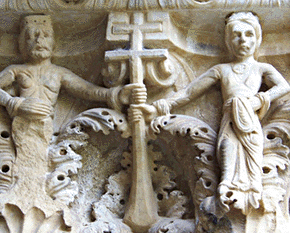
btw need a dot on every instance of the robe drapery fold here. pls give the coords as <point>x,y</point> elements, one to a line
<point>240,150</point>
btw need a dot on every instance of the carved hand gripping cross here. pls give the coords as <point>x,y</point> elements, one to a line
<point>141,210</point>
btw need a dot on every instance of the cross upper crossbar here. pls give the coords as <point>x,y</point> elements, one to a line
<point>136,29</point>
<point>145,28</point>
<point>146,54</point>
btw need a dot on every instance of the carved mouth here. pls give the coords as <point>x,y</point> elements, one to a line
<point>244,47</point>
<point>41,48</point>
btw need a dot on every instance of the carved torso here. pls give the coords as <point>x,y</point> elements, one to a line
<point>39,81</point>
<point>239,83</point>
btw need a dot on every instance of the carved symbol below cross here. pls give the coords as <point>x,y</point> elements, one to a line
<point>141,210</point>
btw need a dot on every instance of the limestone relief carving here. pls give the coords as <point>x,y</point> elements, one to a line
<point>134,5</point>
<point>31,107</point>
<point>240,140</point>
<point>275,167</point>
<point>7,156</point>
<point>144,116</point>
<point>34,221</point>
<point>63,159</point>
<point>174,206</point>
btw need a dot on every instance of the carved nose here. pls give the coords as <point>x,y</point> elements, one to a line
<point>242,38</point>
<point>39,38</point>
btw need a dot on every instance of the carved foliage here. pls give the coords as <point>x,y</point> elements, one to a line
<point>14,221</point>
<point>172,203</point>
<point>109,210</point>
<point>7,158</point>
<point>193,146</point>
<point>276,173</point>
<point>7,154</point>
<point>64,162</point>
<point>202,141</point>
<point>276,128</point>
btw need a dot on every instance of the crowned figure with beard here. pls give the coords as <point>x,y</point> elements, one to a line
<point>31,107</point>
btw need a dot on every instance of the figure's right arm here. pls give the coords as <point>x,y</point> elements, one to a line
<point>29,107</point>
<point>7,77</point>
<point>195,89</point>
<point>164,106</point>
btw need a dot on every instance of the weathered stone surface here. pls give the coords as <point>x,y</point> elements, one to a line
<point>144,116</point>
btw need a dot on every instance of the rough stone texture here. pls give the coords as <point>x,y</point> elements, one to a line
<point>84,147</point>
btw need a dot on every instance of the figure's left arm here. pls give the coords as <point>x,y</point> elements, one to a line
<point>115,97</point>
<point>279,86</point>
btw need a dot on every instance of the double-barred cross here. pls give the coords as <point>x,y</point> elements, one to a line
<point>141,211</point>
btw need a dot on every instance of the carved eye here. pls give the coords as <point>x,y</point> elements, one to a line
<point>249,34</point>
<point>27,36</point>
<point>37,34</point>
<point>236,34</point>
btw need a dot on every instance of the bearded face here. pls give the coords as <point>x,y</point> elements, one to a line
<point>38,42</point>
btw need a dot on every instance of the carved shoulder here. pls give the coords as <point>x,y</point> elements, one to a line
<point>7,76</point>
<point>65,74</point>
<point>10,69</point>
<point>61,70</point>
<point>219,70</point>
<point>265,67</point>
<point>270,73</point>
<point>268,70</point>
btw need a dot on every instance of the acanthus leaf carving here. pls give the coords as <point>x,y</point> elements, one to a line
<point>199,139</point>
<point>181,162</point>
<point>7,154</point>
<point>64,161</point>
<point>276,161</point>
<point>275,179</point>
<point>34,221</point>
<point>109,209</point>
<point>99,119</point>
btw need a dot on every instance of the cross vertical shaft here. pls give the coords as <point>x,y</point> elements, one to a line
<point>141,211</point>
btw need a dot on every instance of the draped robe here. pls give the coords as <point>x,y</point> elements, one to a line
<point>240,138</point>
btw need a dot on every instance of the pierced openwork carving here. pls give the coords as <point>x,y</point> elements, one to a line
<point>7,159</point>
<point>64,162</point>
<point>173,204</point>
<point>144,116</point>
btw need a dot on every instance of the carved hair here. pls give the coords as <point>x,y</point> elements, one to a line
<point>39,21</point>
<point>246,17</point>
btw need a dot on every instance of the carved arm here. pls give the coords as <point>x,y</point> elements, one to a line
<point>6,79</point>
<point>115,97</point>
<point>279,86</point>
<point>12,104</point>
<point>195,89</point>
